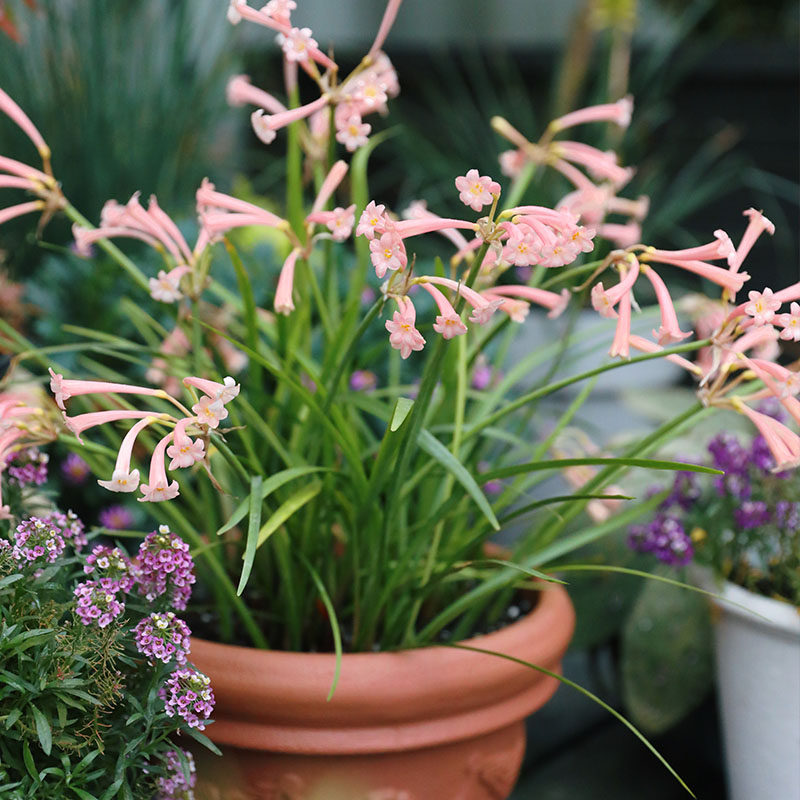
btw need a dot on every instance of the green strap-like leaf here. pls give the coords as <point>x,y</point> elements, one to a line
<point>253,527</point>
<point>43,730</point>
<point>293,504</point>
<point>433,447</point>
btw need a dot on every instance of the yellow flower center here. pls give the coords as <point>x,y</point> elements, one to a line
<point>387,253</point>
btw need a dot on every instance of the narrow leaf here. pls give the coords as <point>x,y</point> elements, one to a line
<point>253,526</point>
<point>43,730</point>
<point>401,410</point>
<point>293,504</point>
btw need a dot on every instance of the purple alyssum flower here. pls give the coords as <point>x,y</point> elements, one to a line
<point>176,785</point>
<point>187,693</point>
<point>787,515</point>
<point>69,526</point>
<point>664,537</point>
<point>751,514</point>
<point>111,568</point>
<point>37,541</point>
<point>74,470</point>
<point>28,467</point>
<point>362,380</point>
<point>96,605</point>
<point>165,567</point>
<point>116,518</point>
<point>164,637</point>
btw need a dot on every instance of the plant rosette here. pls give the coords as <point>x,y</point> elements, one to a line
<point>338,463</point>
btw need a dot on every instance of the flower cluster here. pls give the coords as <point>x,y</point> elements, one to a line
<point>188,694</point>
<point>75,470</point>
<point>184,451</point>
<point>177,785</point>
<point>111,568</point>
<point>96,605</point>
<point>116,518</point>
<point>664,537</point>
<point>163,636</point>
<point>28,467</point>
<point>70,526</point>
<point>165,567</point>
<point>37,542</point>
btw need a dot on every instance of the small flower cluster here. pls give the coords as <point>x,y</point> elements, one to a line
<point>96,605</point>
<point>37,542</point>
<point>177,785</point>
<point>75,470</point>
<point>188,694</point>
<point>165,567</point>
<point>111,568</point>
<point>116,518</point>
<point>28,467</point>
<point>163,636</point>
<point>69,526</point>
<point>664,537</point>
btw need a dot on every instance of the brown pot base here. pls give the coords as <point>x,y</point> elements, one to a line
<point>483,768</point>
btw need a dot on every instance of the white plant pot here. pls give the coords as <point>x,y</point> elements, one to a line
<point>758,682</point>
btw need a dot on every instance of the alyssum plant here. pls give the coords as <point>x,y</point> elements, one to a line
<point>333,494</point>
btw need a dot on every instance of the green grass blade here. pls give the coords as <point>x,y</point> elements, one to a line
<point>253,527</point>
<point>289,507</point>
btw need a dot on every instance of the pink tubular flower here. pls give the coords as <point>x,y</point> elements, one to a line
<point>620,346</point>
<point>165,287</point>
<point>389,15</point>
<point>373,221</point>
<point>352,132</point>
<point>483,308</point>
<point>388,253</point>
<point>159,488</point>
<point>418,210</point>
<point>297,44</point>
<point>475,190</point>
<point>783,443</point>
<point>512,162</point>
<point>721,247</point>
<point>63,388</point>
<point>12,212</point>
<point>646,346</point>
<point>757,224</point>
<point>265,125</point>
<point>602,166</point>
<point>21,119</point>
<point>619,113</point>
<point>403,334</point>
<point>339,222</point>
<point>555,303</point>
<point>331,183</point>
<point>21,170</point>
<point>83,422</point>
<point>762,307</point>
<point>448,323</point>
<point>184,451</point>
<point>224,392</point>
<point>731,281</point>
<point>123,478</point>
<point>790,323</point>
<point>429,224</point>
<point>283,296</point>
<point>209,411</point>
<point>670,331</point>
<point>241,92</point>
<point>603,301</point>
<point>621,235</point>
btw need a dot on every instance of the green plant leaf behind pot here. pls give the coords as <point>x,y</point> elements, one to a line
<point>667,660</point>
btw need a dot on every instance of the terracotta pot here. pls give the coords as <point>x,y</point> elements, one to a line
<point>428,724</point>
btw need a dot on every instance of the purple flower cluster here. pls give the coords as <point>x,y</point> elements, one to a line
<point>362,380</point>
<point>751,514</point>
<point>164,637</point>
<point>116,518</point>
<point>28,467</point>
<point>165,567</point>
<point>728,455</point>
<point>69,526</point>
<point>664,537</point>
<point>176,786</point>
<point>35,540</point>
<point>96,604</point>
<point>74,470</point>
<point>111,568</point>
<point>787,515</point>
<point>685,491</point>
<point>188,694</point>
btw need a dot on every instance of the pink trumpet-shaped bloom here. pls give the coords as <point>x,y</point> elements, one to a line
<point>521,248</point>
<point>475,190</point>
<point>603,301</point>
<point>266,123</point>
<point>419,211</point>
<point>780,381</point>
<point>18,116</point>
<point>332,180</point>
<point>184,451</point>
<point>388,253</point>
<point>170,228</point>
<point>670,330</point>
<point>165,287</point>
<point>574,176</point>
<point>241,92</point>
<point>86,237</point>
<point>280,10</point>
<point>64,388</point>
<point>123,478</point>
<point>448,323</point>
<point>762,307</point>
<point>602,166</point>
<point>134,216</point>
<point>789,293</point>
<point>373,221</point>
<point>757,224</point>
<point>339,222</point>
<point>555,303</point>
<point>389,16</point>
<point>621,235</point>
<point>83,422</point>
<point>721,247</point>
<point>429,224</point>
<point>209,411</point>
<point>15,182</point>
<point>783,443</point>
<point>283,295</point>
<point>24,171</point>
<point>619,113</point>
<point>638,209</point>
<point>224,392</point>
<point>159,488</point>
<point>483,308</point>
<point>403,334</point>
<point>790,323</point>
<point>646,346</point>
<point>731,281</point>
<point>297,44</point>
<point>512,162</point>
<point>517,310</point>
<point>352,132</point>
<point>220,222</point>
<point>261,127</point>
<point>12,212</point>
<point>620,347</point>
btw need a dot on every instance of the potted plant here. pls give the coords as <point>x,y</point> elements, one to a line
<point>741,533</point>
<point>98,698</point>
<point>340,493</point>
